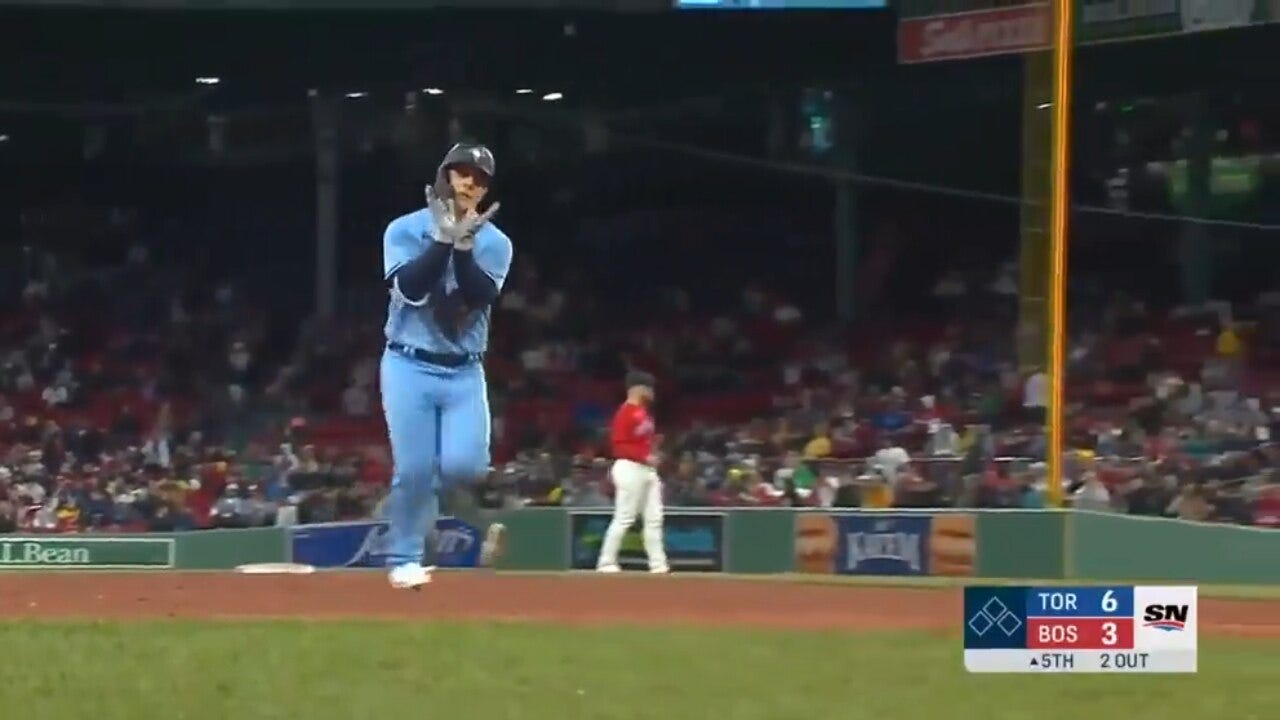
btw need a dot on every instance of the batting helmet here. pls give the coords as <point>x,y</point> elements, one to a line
<point>641,378</point>
<point>464,154</point>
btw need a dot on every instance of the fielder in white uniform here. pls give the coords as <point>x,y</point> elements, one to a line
<point>637,487</point>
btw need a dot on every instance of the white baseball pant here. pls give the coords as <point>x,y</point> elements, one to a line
<point>637,490</point>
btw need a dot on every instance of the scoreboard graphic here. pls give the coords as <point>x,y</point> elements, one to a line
<point>1097,629</point>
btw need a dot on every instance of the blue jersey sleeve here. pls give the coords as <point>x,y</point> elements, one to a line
<point>400,245</point>
<point>494,257</point>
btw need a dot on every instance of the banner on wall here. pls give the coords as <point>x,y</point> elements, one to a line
<point>873,543</point>
<point>1106,20</point>
<point>974,29</point>
<point>953,545</point>
<point>694,541</point>
<point>882,544</point>
<point>978,33</point>
<point>816,541</point>
<point>364,544</point>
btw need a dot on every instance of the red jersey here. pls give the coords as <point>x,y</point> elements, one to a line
<point>632,433</point>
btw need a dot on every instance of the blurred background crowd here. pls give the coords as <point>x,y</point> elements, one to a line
<point>817,341</point>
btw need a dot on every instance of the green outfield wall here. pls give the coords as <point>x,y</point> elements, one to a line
<point>1040,544</point>
<point>202,550</point>
<point>1048,544</point>
<point>1121,547</point>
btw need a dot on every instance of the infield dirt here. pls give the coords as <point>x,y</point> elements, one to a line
<point>571,599</point>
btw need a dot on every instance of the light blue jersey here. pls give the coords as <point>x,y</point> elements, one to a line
<point>440,322</point>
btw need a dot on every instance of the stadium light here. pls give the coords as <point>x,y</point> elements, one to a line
<point>433,91</point>
<point>524,91</point>
<point>357,94</point>
<point>553,96</point>
<point>4,138</point>
<point>208,80</point>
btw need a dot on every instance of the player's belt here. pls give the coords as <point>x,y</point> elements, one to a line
<point>450,360</point>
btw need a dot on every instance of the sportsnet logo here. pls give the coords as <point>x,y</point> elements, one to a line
<point>1169,618</point>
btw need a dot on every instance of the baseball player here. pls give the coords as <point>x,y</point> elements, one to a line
<point>444,266</point>
<point>637,489</point>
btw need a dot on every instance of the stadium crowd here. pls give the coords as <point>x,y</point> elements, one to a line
<point>156,407</point>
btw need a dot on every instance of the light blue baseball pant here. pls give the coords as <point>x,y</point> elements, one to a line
<point>438,422</point>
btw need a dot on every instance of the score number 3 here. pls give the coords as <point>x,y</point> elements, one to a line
<point>1108,633</point>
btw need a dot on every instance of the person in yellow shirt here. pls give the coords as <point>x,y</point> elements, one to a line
<point>1230,351</point>
<point>820,445</point>
<point>876,491</point>
<point>1228,344</point>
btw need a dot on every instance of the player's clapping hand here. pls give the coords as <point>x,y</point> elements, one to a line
<point>468,226</point>
<point>452,230</point>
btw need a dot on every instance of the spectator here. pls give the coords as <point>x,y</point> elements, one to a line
<point>1092,495</point>
<point>238,360</point>
<point>1228,344</point>
<point>1191,504</point>
<point>356,401</point>
<point>585,492</point>
<point>889,461</point>
<point>56,396</point>
<point>8,517</point>
<point>820,445</point>
<point>1035,396</point>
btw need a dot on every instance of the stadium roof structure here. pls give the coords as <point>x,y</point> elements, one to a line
<point>135,71</point>
<point>119,65</point>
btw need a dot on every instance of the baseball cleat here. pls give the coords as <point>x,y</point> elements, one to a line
<point>494,546</point>
<point>608,569</point>
<point>660,570</point>
<point>410,576</point>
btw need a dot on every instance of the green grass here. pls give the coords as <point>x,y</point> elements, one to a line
<point>383,670</point>
<point>1222,592</point>
<point>937,582</point>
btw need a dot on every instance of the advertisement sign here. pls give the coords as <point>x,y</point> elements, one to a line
<point>364,544</point>
<point>694,541</point>
<point>1105,20</point>
<point>82,553</point>
<point>816,541</point>
<point>1025,28</point>
<point>876,544</point>
<point>953,545</point>
<point>975,34</point>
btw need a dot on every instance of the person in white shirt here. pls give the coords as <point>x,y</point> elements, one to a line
<point>889,461</point>
<point>355,401</point>
<point>1092,495</point>
<point>1035,396</point>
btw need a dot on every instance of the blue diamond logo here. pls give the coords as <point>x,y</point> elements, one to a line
<point>980,623</point>
<point>995,608</point>
<point>1009,623</point>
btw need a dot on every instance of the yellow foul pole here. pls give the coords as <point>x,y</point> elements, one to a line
<point>1059,209</point>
